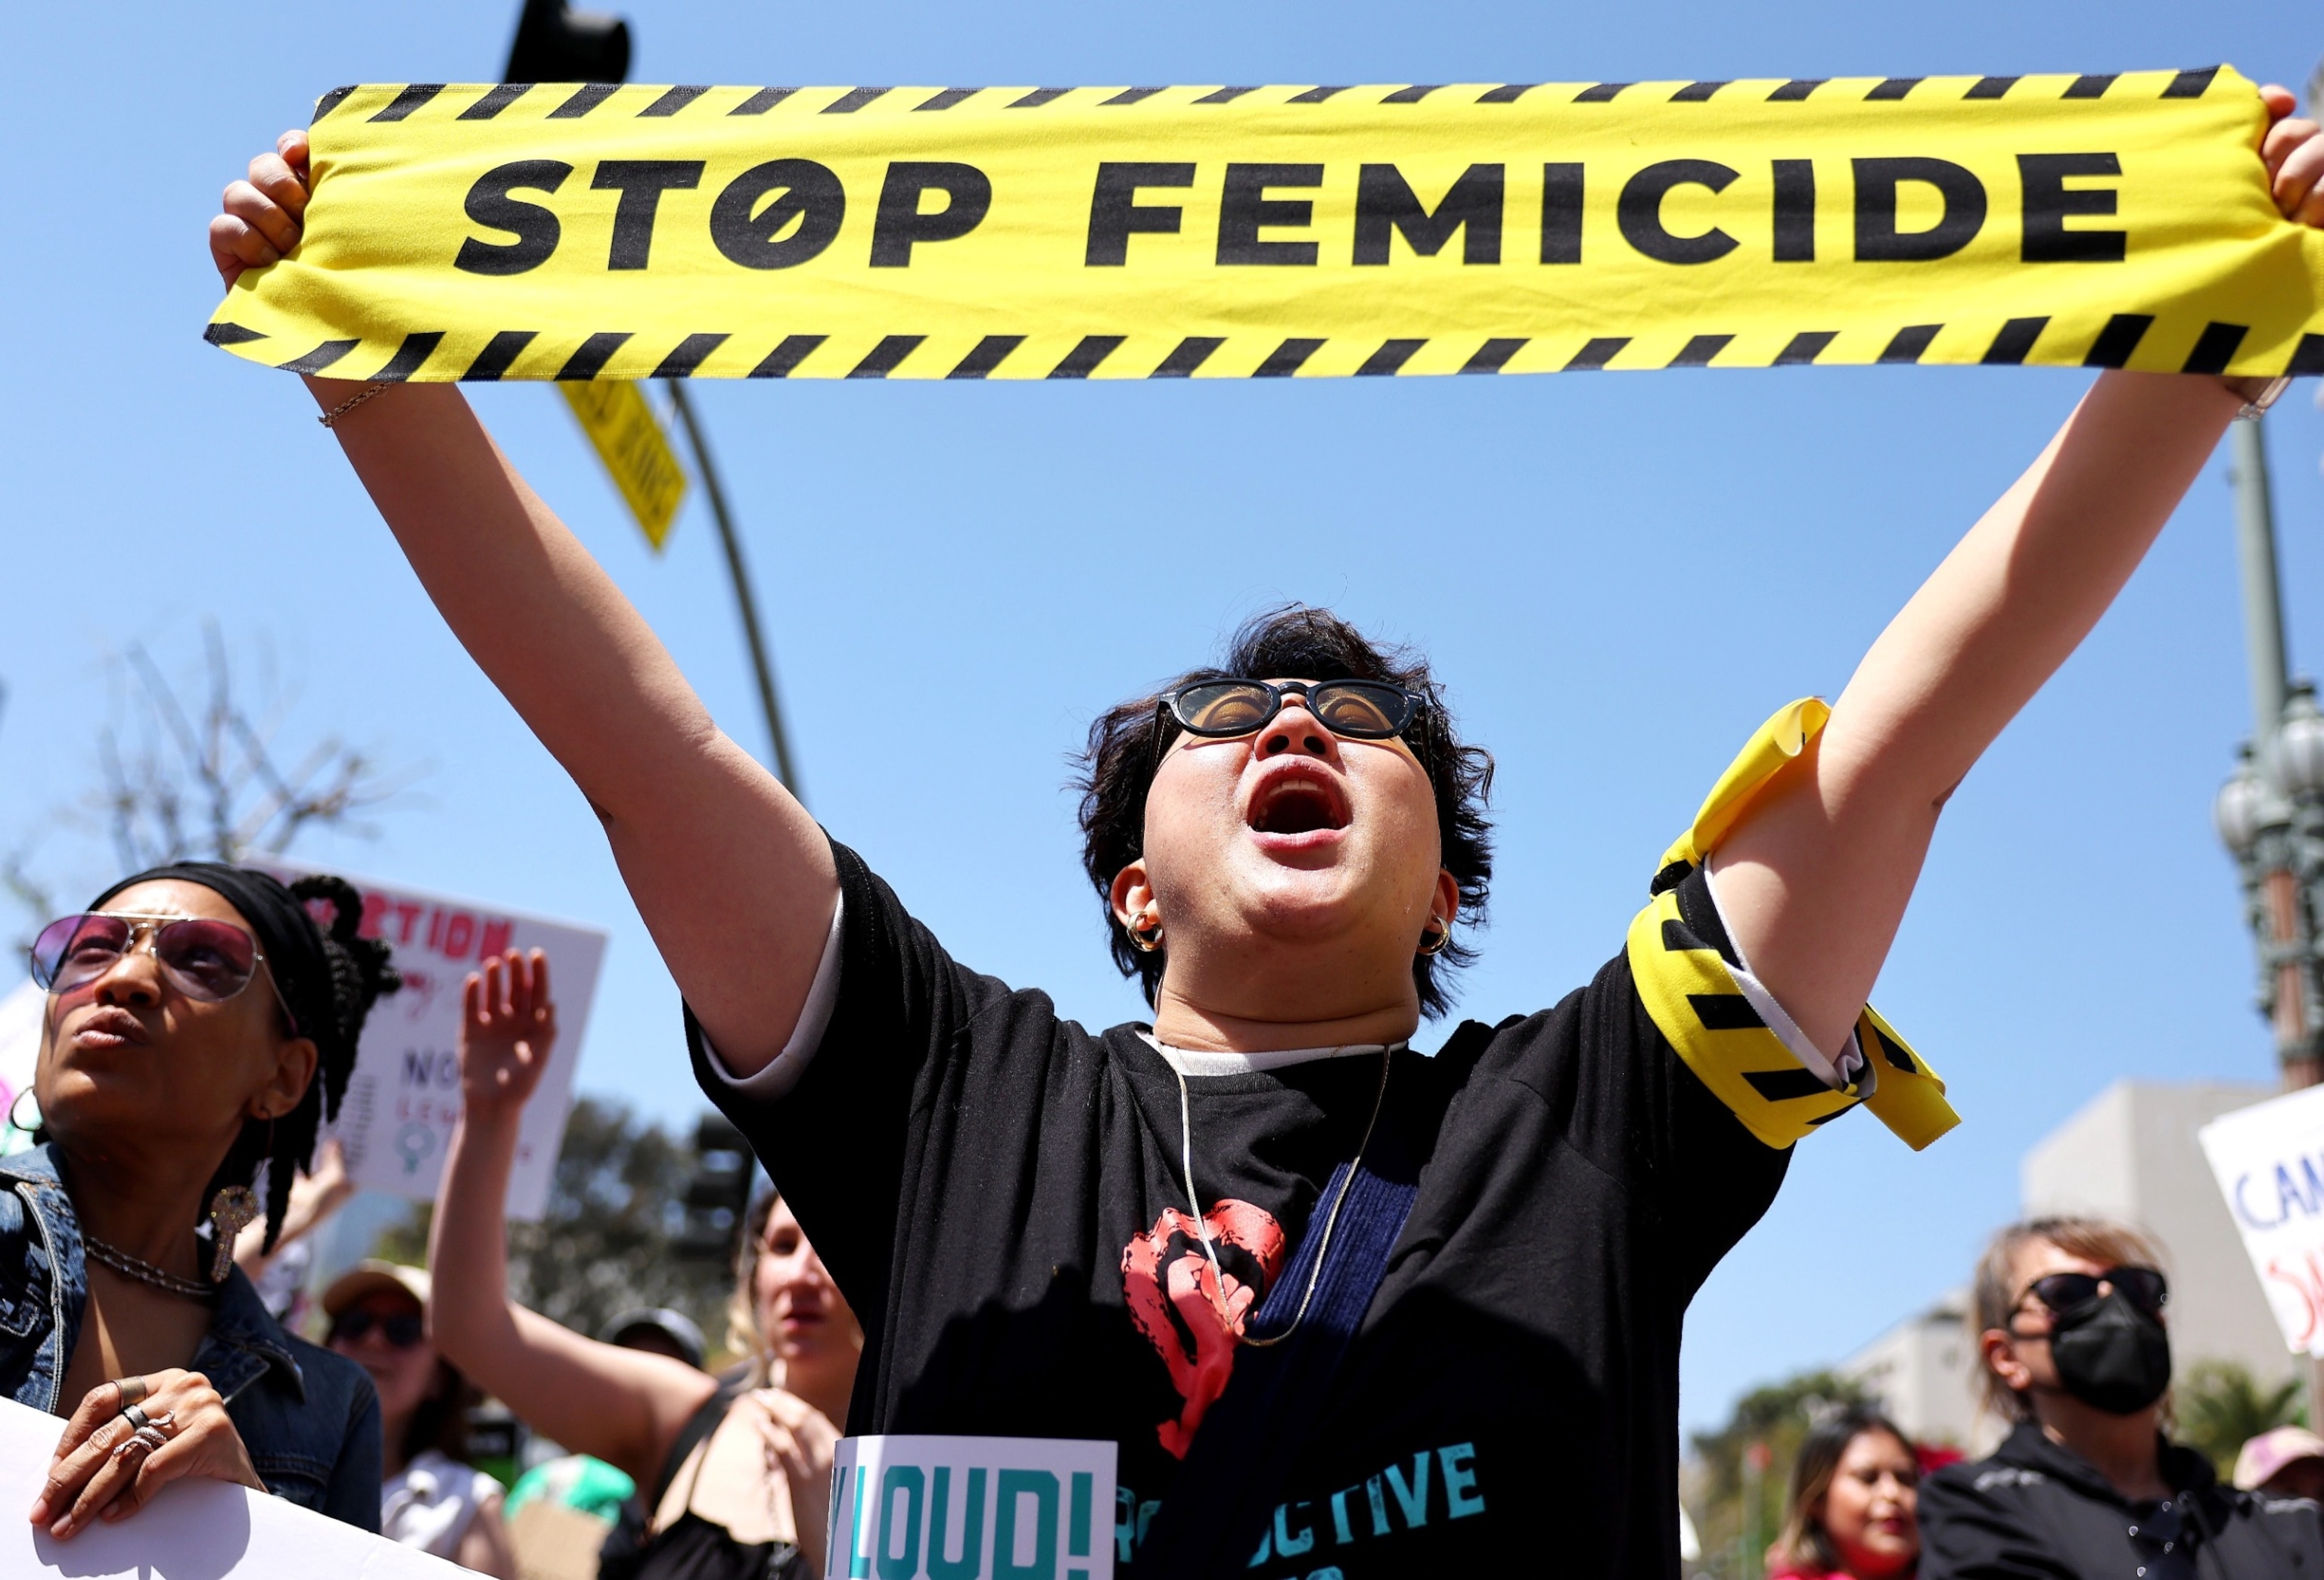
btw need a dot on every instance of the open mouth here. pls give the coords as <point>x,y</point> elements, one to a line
<point>1298,802</point>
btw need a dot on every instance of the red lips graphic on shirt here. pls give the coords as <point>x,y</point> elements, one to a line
<point>1166,1276</point>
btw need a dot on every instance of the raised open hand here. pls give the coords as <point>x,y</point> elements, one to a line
<point>508,1025</point>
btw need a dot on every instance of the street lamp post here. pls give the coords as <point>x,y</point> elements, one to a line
<point>2270,814</point>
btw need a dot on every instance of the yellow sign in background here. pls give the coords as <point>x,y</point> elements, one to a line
<point>630,440</point>
<point>555,231</point>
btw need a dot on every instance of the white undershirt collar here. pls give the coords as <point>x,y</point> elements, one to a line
<point>1187,1061</point>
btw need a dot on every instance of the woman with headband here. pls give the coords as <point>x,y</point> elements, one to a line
<point>200,1027</point>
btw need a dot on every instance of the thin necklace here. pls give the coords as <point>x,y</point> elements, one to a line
<point>143,1272</point>
<point>1323,1247</point>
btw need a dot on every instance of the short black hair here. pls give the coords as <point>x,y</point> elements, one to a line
<point>1128,742</point>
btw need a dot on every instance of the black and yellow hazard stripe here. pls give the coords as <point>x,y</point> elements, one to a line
<point>1684,968</point>
<point>562,231</point>
<point>574,102</point>
<point>2214,352</point>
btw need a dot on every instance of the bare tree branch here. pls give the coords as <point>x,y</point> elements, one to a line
<point>176,782</point>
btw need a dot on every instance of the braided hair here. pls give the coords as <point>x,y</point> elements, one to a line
<point>361,973</point>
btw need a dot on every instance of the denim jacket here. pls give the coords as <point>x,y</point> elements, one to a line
<point>309,1419</point>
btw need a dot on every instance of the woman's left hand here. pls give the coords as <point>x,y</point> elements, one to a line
<point>799,1441</point>
<point>94,1475</point>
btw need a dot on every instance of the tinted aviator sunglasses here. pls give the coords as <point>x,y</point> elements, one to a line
<point>1355,710</point>
<point>401,1331</point>
<point>206,960</point>
<point>2143,1287</point>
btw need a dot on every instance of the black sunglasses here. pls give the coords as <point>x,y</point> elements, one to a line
<point>1355,710</point>
<point>401,1331</point>
<point>2143,1286</point>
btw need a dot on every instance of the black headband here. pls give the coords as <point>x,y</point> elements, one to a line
<point>292,943</point>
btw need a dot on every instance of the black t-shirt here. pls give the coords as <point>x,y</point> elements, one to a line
<point>998,1193</point>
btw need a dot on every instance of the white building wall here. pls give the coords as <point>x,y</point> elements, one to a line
<point>1920,1371</point>
<point>2131,1153</point>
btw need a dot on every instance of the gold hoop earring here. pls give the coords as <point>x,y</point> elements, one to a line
<point>1143,942</point>
<point>1437,941</point>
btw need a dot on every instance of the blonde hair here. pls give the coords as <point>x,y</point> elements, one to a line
<point>2100,1240</point>
<point>744,1336</point>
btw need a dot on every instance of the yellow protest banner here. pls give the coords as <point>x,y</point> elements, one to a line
<point>629,439</point>
<point>586,232</point>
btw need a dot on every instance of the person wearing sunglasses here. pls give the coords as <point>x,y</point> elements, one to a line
<point>1326,1303</point>
<point>200,1025</point>
<point>432,1498</point>
<point>2072,1319</point>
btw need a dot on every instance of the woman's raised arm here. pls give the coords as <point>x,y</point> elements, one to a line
<point>1814,884</point>
<point>626,1407</point>
<point>731,876</point>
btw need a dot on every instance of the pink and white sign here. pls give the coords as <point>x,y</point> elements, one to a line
<point>19,1051</point>
<point>405,1094</point>
<point>2269,1160</point>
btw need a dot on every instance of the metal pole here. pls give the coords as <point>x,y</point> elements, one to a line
<point>761,667</point>
<point>2277,911</point>
<point>2262,603</point>
<point>2280,921</point>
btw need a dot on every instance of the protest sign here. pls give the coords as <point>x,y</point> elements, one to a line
<point>908,1508</point>
<point>193,1530</point>
<point>19,1051</point>
<point>574,232</point>
<point>2269,1160</point>
<point>404,1095</point>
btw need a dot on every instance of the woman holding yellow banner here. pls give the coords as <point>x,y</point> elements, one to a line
<point>1324,1306</point>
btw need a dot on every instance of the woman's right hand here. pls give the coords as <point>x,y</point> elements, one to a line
<point>508,1025</point>
<point>800,1443</point>
<point>100,1472</point>
<point>261,215</point>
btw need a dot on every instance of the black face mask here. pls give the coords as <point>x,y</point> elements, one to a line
<point>2111,1355</point>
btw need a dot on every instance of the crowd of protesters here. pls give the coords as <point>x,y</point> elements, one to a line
<point>1316,1291</point>
<point>2071,1335</point>
<point>181,1368</point>
<point>684,1475</point>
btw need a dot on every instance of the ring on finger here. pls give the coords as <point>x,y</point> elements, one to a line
<point>133,1391</point>
<point>135,1416</point>
<point>139,1441</point>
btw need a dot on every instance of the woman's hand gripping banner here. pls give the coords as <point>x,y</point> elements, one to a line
<point>580,232</point>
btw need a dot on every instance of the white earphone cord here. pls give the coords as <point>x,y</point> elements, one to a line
<point>1324,1246</point>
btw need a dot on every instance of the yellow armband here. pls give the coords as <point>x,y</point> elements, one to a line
<point>1691,995</point>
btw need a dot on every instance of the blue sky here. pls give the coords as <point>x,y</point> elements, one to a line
<point>1619,576</point>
